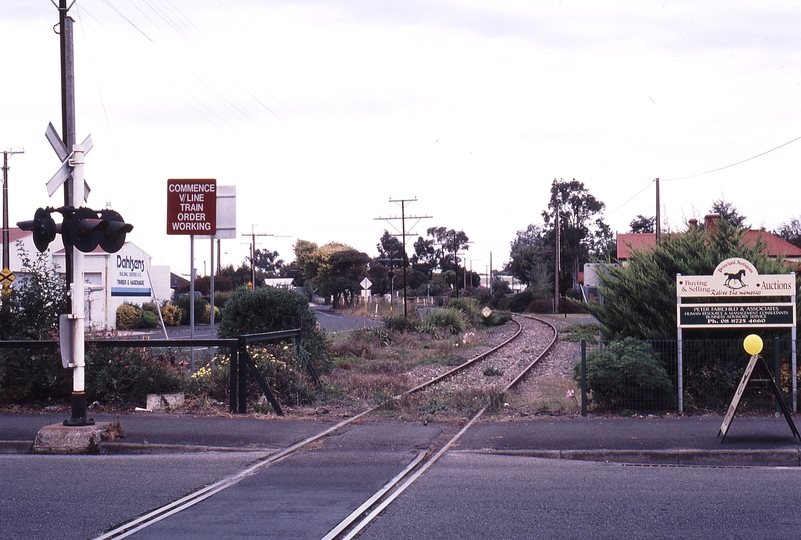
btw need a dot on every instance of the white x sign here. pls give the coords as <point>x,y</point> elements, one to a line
<point>65,170</point>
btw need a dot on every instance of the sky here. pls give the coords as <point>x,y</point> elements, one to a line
<point>321,113</point>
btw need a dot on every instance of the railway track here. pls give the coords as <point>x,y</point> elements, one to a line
<point>511,360</point>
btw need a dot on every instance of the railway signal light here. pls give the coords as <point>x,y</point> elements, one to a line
<point>82,227</point>
<point>43,226</point>
<point>113,237</point>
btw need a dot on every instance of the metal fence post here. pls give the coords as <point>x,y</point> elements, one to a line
<point>233,383</point>
<point>243,369</point>
<point>777,374</point>
<point>583,377</point>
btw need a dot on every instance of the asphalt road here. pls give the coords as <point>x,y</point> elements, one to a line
<point>470,495</point>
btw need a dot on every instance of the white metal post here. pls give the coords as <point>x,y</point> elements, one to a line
<point>76,316</point>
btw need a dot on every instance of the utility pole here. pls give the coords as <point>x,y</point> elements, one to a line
<point>68,128</point>
<point>658,219</point>
<point>6,276</point>
<point>557,251</point>
<point>253,234</point>
<point>403,234</point>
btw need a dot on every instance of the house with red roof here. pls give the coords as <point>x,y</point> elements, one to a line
<point>775,246</point>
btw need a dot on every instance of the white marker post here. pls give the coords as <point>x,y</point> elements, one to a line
<point>76,317</point>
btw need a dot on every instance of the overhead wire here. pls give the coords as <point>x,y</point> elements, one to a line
<point>702,173</point>
<point>733,164</point>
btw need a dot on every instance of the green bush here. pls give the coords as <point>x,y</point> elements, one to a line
<point>128,316</point>
<point>520,301</point>
<point>453,320</point>
<point>469,306</point>
<point>399,323</point>
<point>627,375</point>
<point>149,320</point>
<point>221,298</point>
<point>125,376</point>
<point>269,310</point>
<point>32,375</point>
<point>496,318</point>
<point>201,309</point>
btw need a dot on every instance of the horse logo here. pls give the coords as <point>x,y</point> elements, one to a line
<point>735,280</point>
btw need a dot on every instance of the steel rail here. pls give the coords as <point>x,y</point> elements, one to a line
<point>350,523</point>
<point>202,494</point>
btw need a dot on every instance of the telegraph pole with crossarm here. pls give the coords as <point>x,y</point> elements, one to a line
<point>402,233</point>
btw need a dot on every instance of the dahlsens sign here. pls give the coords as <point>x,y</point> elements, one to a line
<point>130,277</point>
<point>735,278</point>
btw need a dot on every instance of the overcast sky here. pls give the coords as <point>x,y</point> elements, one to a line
<point>320,112</point>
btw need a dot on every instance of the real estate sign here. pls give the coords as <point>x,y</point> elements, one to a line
<point>736,279</point>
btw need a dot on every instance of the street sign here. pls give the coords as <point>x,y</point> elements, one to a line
<point>366,283</point>
<point>6,277</point>
<point>192,206</point>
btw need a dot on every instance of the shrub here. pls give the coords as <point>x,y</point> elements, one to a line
<point>221,298</point>
<point>627,375</point>
<point>171,314</point>
<point>207,314</point>
<point>269,310</point>
<point>496,318</point>
<point>520,301</point>
<point>127,375</point>
<point>128,316</point>
<point>540,305</point>
<point>399,323</point>
<point>468,306</point>
<point>151,307</point>
<point>452,319</point>
<point>149,320</point>
<point>201,309</point>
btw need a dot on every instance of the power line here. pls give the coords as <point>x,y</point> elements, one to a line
<point>701,174</point>
<point>733,164</point>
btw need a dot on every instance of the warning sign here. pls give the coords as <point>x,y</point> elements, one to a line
<point>192,206</point>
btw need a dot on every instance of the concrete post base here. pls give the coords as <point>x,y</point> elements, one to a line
<point>61,439</point>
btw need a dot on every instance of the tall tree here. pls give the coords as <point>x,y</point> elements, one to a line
<point>642,224</point>
<point>728,212</point>
<point>583,233</point>
<point>529,254</point>
<point>390,251</point>
<point>334,269</point>
<point>790,231</point>
<point>268,262</point>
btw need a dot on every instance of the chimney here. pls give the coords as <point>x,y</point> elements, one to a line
<point>710,221</point>
<point>693,223</point>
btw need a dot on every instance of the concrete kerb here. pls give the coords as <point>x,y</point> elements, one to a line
<point>790,457</point>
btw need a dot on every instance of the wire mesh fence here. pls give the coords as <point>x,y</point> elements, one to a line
<point>644,375</point>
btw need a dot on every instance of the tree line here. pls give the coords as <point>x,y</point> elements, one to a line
<point>434,263</point>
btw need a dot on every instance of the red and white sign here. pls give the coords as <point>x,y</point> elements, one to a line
<point>192,206</point>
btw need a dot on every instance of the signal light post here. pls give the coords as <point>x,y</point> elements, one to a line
<point>82,230</point>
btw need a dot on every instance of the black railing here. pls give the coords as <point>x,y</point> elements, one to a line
<point>241,361</point>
